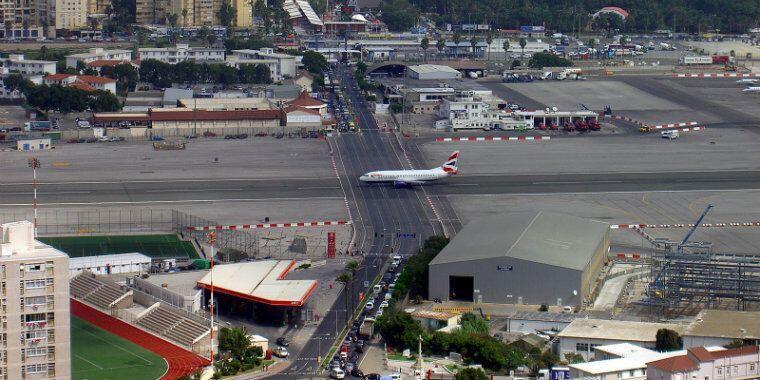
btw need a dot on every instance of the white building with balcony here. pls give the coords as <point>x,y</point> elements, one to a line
<point>17,63</point>
<point>281,66</point>
<point>95,54</point>
<point>182,52</point>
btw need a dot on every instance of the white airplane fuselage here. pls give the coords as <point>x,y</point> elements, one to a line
<point>405,176</point>
<point>752,89</point>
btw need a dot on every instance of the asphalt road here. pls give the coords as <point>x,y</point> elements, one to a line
<point>383,206</point>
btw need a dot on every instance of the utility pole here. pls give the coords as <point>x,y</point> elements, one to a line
<point>34,163</point>
<point>212,241</point>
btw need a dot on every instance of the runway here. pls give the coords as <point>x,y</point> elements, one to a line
<point>192,191</point>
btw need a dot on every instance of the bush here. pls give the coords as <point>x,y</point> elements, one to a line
<point>541,60</point>
<point>471,374</point>
<point>544,307</point>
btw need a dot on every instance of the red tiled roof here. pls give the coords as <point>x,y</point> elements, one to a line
<point>746,350</point>
<point>292,108</point>
<point>82,86</point>
<point>93,79</point>
<point>673,364</point>
<point>305,100</point>
<point>304,73</point>
<point>215,115</point>
<point>701,354</point>
<point>57,77</point>
<point>622,12</point>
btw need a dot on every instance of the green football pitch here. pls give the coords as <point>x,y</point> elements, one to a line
<point>156,246</point>
<point>97,354</point>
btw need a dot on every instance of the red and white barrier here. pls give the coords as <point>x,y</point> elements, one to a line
<point>629,256</point>
<point>692,129</point>
<point>625,118</point>
<point>679,225</point>
<point>269,225</point>
<point>716,75</point>
<point>674,125</point>
<point>492,138</point>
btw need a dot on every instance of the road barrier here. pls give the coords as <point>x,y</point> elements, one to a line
<point>685,225</point>
<point>716,75</point>
<point>674,125</point>
<point>268,225</point>
<point>492,138</point>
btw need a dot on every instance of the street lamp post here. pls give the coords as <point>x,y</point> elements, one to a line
<point>212,241</point>
<point>34,163</point>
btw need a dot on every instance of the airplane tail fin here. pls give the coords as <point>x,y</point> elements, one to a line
<point>450,166</point>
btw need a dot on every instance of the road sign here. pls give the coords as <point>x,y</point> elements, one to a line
<point>407,236</point>
<point>331,245</point>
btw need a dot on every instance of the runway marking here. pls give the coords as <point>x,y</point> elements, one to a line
<point>189,190</point>
<point>163,181</point>
<point>318,187</point>
<point>171,201</point>
<point>51,193</point>
<point>570,182</point>
<point>464,184</point>
<point>600,192</point>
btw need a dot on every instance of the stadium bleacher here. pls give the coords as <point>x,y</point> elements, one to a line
<point>86,287</point>
<point>170,324</point>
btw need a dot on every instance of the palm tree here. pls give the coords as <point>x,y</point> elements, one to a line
<point>185,13</point>
<point>474,43</point>
<point>457,38</point>
<point>523,42</point>
<point>440,45</point>
<point>352,266</point>
<point>345,278</point>
<point>425,44</point>
<point>505,46</point>
<point>489,41</point>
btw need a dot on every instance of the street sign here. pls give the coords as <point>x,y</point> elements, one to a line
<point>331,245</point>
<point>412,236</point>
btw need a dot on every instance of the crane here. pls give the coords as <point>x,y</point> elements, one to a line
<point>694,228</point>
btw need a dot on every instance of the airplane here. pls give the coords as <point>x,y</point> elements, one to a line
<point>747,81</point>
<point>405,178</point>
<point>752,89</point>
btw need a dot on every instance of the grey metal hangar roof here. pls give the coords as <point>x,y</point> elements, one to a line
<point>544,237</point>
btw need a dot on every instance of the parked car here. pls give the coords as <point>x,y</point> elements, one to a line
<point>283,341</point>
<point>281,352</point>
<point>337,373</point>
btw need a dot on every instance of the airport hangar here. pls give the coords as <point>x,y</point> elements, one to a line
<point>523,258</point>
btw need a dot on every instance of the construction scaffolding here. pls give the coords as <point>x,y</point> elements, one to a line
<point>687,274</point>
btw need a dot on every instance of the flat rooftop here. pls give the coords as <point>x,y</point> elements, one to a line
<point>616,330</point>
<point>726,324</point>
<point>260,281</point>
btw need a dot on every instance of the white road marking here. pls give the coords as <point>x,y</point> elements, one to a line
<point>188,190</point>
<point>318,187</point>
<point>163,181</point>
<point>464,184</point>
<point>600,192</point>
<point>49,192</point>
<point>570,182</point>
<point>171,201</point>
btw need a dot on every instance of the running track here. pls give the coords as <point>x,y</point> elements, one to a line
<point>181,362</point>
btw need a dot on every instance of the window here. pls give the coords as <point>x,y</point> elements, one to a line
<point>720,371</point>
<point>35,301</point>
<point>36,368</point>
<point>752,367</point>
<point>36,351</point>
<point>581,347</point>
<point>33,267</point>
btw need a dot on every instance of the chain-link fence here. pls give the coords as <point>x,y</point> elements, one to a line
<point>63,222</point>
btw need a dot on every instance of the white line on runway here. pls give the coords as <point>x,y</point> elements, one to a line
<point>188,190</point>
<point>164,181</point>
<point>464,184</point>
<point>172,201</point>
<point>491,195</point>
<point>318,187</point>
<point>570,182</point>
<point>52,192</point>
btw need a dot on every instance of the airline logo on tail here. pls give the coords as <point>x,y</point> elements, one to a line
<point>450,166</point>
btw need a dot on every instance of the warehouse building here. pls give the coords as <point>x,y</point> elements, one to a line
<point>428,72</point>
<point>722,327</point>
<point>503,259</point>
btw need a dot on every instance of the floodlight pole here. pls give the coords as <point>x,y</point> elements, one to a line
<point>34,163</point>
<point>212,241</point>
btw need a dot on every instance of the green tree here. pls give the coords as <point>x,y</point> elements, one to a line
<point>457,38</point>
<point>474,44</point>
<point>489,41</point>
<point>399,15</point>
<point>399,329</point>
<point>172,19</point>
<point>440,45</point>
<point>668,340</point>
<point>574,357</point>
<point>319,6</point>
<point>352,267</point>
<point>541,60</point>
<point>104,101</point>
<point>314,62</point>
<point>424,45</point>
<point>227,13</point>
<point>17,82</point>
<point>505,45</point>
<point>473,324</point>
<point>471,373</point>
<point>234,340</point>
<point>523,43</point>
<point>185,14</point>
<point>258,73</point>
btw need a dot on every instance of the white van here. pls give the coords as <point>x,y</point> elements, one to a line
<point>337,373</point>
<point>670,135</point>
<point>376,289</point>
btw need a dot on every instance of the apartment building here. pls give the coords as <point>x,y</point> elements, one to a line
<point>281,66</point>
<point>34,299</point>
<point>243,17</point>
<point>699,363</point>
<point>151,12</point>
<point>182,52</point>
<point>17,63</point>
<point>97,7</point>
<point>83,82</point>
<point>70,14</point>
<point>95,54</point>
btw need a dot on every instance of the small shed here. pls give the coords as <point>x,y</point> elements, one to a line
<point>33,144</point>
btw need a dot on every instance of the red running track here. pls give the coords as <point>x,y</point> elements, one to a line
<point>181,362</point>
